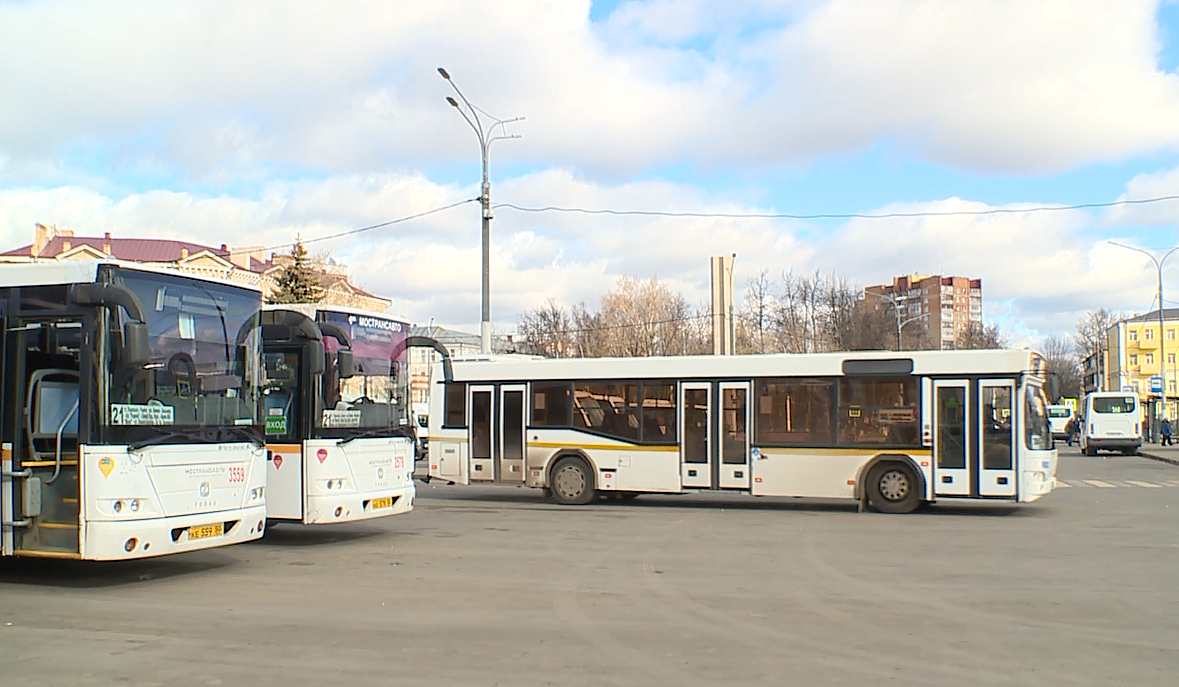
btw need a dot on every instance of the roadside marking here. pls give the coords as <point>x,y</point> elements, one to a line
<point>1061,483</point>
<point>1144,484</point>
<point>1099,483</point>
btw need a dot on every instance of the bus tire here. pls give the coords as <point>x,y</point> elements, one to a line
<point>572,482</point>
<point>893,487</point>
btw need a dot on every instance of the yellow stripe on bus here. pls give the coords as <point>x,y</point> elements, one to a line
<point>600,447</point>
<point>845,451</point>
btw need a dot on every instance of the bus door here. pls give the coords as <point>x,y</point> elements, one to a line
<point>714,445</point>
<point>39,492</point>
<point>481,423</point>
<point>697,458</point>
<point>996,438</point>
<point>734,436</point>
<point>510,444</point>
<point>282,413</point>
<point>951,438</point>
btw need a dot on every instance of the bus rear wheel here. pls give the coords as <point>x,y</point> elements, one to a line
<point>571,482</point>
<point>892,488</point>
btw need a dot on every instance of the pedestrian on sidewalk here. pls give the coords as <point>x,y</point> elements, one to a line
<point>1165,429</point>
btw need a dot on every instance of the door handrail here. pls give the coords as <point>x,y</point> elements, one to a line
<point>60,428</point>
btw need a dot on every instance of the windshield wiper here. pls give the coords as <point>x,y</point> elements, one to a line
<point>245,433</point>
<point>378,432</point>
<point>162,438</point>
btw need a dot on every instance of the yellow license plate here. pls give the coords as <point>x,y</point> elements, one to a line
<point>386,502</point>
<point>202,531</point>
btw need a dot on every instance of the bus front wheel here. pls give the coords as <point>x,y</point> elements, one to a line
<point>571,482</point>
<point>892,488</point>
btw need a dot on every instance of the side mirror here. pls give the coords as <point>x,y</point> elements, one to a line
<point>345,364</point>
<point>316,357</point>
<point>136,350</point>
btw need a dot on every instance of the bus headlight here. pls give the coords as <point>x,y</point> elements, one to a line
<point>127,506</point>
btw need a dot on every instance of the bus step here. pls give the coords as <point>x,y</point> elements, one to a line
<point>58,525</point>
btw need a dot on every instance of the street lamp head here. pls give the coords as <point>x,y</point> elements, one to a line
<point>445,74</point>
<point>452,101</point>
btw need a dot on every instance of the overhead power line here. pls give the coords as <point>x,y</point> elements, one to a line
<point>736,215</point>
<point>850,215</point>
<point>361,230</point>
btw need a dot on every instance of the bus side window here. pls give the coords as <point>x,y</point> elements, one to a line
<point>455,413</point>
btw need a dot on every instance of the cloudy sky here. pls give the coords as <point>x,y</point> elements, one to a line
<point>252,122</point>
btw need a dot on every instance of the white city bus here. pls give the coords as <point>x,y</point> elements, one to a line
<point>130,412</point>
<point>893,430</point>
<point>336,413</point>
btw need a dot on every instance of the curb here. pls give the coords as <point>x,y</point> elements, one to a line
<point>1161,459</point>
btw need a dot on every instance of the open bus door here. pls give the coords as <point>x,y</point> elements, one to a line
<point>39,468</point>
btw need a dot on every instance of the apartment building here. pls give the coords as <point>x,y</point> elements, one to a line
<point>934,311</point>
<point>1137,349</point>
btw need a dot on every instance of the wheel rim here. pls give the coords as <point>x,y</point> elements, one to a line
<point>894,485</point>
<point>569,482</point>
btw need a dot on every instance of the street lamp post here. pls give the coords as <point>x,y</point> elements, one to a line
<point>486,138</point>
<point>1158,265</point>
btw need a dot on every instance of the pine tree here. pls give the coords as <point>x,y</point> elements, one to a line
<point>297,282</point>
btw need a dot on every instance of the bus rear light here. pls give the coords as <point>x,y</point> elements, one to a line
<point>339,511</point>
<point>130,544</point>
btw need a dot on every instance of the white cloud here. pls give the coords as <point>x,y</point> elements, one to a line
<point>1143,186</point>
<point>1040,271</point>
<point>223,91</point>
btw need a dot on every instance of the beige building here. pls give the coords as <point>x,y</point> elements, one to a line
<point>941,307</point>
<point>249,265</point>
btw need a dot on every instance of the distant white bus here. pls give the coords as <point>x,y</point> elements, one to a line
<point>893,430</point>
<point>1111,423</point>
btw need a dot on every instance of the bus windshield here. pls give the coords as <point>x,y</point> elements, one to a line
<point>1037,434</point>
<point>376,397</point>
<point>1059,411</point>
<point>203,367</point>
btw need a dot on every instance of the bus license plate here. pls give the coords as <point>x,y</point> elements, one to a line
<point>202,531</point>
<point>386,502</point>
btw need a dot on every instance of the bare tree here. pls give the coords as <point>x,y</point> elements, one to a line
<point>1092,328</point>
<point>1090,337</point>
<point>755,318</point>
<point>979,336</point>
<point>548,329</point>
<point>1064,370</point>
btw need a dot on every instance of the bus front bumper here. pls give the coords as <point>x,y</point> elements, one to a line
<point>1114,443</point>
<point>351,507</point>
<point>106,540</point>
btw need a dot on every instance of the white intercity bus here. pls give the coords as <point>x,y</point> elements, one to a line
<point>337,414</point>
<point>130,411</point>
<point>893,430</point>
